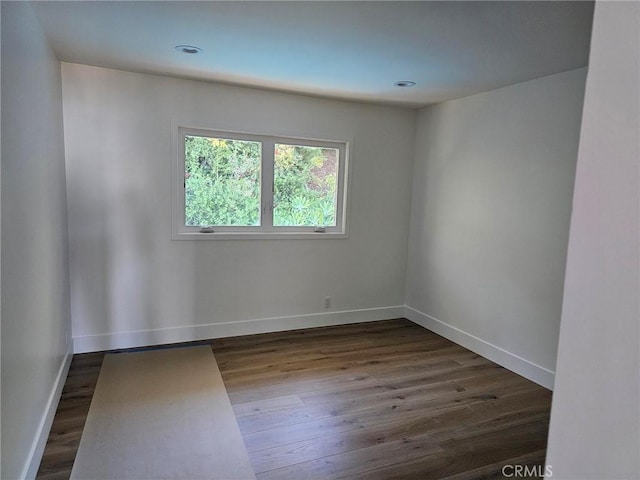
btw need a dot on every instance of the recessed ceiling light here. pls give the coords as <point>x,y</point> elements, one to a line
<point>190,49</point>
<point>405,83</point>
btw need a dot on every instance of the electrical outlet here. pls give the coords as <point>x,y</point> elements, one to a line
<point>327,302</point>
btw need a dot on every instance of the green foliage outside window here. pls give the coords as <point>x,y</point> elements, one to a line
<point>222,183</point>
<point>304,185</point>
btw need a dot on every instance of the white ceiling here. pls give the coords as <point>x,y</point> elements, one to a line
<point>352,50</point>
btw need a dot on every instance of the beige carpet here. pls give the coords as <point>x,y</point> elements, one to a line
<point>161,414</point>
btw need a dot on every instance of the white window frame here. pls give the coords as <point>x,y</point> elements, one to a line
<point>266,229</point>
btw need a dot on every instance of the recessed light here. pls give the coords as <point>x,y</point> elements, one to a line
<point>190,49</point>
<point>405,83</point>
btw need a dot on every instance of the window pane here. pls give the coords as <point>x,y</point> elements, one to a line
<point>305,180</point>
<point>222,181</point>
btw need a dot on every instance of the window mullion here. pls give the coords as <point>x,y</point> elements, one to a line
<point>267,185</point>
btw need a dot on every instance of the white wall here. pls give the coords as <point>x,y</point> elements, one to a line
<point>35,281</point>
<point>128,275</point>
<point>595,417</point>
<point>492,190</point>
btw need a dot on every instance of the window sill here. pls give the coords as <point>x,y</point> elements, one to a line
<point>258,236</point>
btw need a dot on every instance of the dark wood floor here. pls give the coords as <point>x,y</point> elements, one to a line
<point>371,401</point>
<point>64,437</point>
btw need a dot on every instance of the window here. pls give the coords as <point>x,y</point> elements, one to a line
<point>233,185</point>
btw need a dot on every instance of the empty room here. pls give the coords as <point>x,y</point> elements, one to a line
<point>320,240</point>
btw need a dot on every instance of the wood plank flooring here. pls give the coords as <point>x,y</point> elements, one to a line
<point>370,401</point>
<point>66,430</point>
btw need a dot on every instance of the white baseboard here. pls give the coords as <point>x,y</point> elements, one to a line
<point>141,338</point>
<point>513,362</point>
<point>40,441</point>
